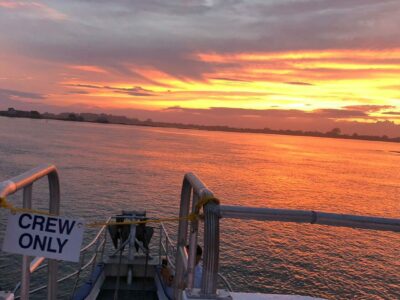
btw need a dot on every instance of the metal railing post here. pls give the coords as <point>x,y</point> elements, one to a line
<point>54,208</point>
<point>182,237</point>
<point>26,274</point>
<point>211,248</point>
<point>194,227</point>
<point>160,246</point>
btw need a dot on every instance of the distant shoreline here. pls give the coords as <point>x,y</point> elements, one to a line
<point>122,120</point>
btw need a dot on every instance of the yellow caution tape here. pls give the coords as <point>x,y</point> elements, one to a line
<point>191,217</point>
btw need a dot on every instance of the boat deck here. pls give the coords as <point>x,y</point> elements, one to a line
<point>141,289</point>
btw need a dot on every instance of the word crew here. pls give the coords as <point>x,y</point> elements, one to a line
<point>49,224</point>
<point>40,235</point>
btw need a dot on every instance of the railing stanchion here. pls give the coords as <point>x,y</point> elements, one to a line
<point>194,227</point>
<point>160,246</point>
<point>54,208</point>
<point>182,238</point>
<point>26,274</point>
<point>81,261</point>
<point>211,249</point>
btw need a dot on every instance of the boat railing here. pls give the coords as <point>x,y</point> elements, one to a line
<point>99,241</point>
<point>168,251</point>
<point>193,191</point>
<point>166,247</point>
<point>25,182</point>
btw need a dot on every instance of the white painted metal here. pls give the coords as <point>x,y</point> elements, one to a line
<point>26,274</point>
<point>194,228</point>
<point>193,185</point>
<point>213,212</point>
<point>313,217</point>
<point>25,181</point>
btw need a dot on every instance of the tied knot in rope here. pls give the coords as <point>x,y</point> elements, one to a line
<point>203,202</point>
<point>5,204</point>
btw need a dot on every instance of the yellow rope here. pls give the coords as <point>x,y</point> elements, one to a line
<point>191,217</point>
<point>7,205</point>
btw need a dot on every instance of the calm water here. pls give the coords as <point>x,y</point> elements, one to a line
<point>106,168</point>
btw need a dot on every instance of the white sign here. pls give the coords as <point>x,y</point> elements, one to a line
<point>40,235</point>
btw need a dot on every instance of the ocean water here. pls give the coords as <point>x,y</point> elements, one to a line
<point>106,168</point>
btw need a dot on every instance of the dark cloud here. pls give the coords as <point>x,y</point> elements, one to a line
<point>135,91</point>
<point>274,113</point>
<point>299,83</point>
<point>163,34</point>
<point>229,79</point>
<point>77,92</point>
<point>176,107</point>
<point>393,113</point>
<point>368,108</point>
<point>20,95</point>
<point>339,113</point>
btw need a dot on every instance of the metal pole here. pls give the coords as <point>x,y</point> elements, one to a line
<point>313,217</point>
<point>194,227</point>
<point>160,246</point>
<point>211,248</point>
<point>54,208</point>
<point>26,274</point>
<point>182,237</point>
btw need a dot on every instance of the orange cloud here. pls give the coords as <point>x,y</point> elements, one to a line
<point>302,80</point>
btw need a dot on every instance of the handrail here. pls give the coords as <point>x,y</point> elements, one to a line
<point>312,217</point>
<point>168,244</point>
<point>193,190</point>
<point>167,235</point>
<point>25,181</point>
<point>99,233</point>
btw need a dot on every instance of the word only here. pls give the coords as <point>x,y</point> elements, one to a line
<point>40,235</point>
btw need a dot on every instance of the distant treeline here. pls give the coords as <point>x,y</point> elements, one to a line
<point>106,118</point>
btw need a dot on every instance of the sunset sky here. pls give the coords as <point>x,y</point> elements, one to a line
<point>282,64</point>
